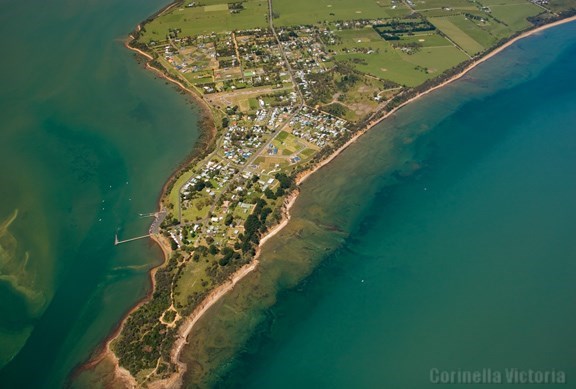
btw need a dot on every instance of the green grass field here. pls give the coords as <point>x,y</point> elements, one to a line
<point>426,39</point>
<point>435,4</point>
<point>295,12</point>
<point>465,41</point>
<point>282,136</point>
<point>435,59</point>
<point>436,55</point>
<point>190,281</point>
<point>490,3</point>
<point>477,30</point>
<point>213,17</point>
<point>514,15</point>
<point>560,5</point>
<point>191,213</point>
<point>288,144</point>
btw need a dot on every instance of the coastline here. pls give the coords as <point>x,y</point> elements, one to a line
<point>214,296</point>
<point>106,352</point>
<point>302,176</point>
<point>161,74</point>
<point>206,111</point>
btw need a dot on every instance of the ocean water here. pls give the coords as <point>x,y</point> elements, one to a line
<point>443,239</point>
<point>87,139</point>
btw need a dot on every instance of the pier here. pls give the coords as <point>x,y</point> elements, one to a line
<point>154,228</point>
<point>118,241</point>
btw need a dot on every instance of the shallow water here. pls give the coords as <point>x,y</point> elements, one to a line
<point>442,239</point>
<point>87,139</point>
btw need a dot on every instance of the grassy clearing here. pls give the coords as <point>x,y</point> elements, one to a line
<point>174,195</point>
<point>288,144</point>
<point>191,281</point>
<point>282,136</point>
<point>268,163</point>
<point>308,153</point>
<point>192,213</point>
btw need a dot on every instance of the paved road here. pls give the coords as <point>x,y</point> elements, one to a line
<point>251,160</point>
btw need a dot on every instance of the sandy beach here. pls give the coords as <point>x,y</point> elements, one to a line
<point>123,376</point>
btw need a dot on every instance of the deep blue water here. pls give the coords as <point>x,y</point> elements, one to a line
<point>467,264</point>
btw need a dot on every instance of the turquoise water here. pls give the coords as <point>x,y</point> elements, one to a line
<point>465,262</point>
<point>87,139</point>
<point>455,244</point>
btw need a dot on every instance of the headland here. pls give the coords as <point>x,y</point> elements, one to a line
<point>283,99</point>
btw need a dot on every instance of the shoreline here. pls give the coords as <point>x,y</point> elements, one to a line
<point>214,296</point>
<point>303,176</point>
<point>106,352</point>
<point>175,380</point>
<point>205,111</point>
<point>161,74</point>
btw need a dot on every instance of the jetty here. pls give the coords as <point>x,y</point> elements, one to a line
<point>118,241</point>
<point>154,228</point>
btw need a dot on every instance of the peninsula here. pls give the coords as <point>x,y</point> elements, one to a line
<point>285,86</point>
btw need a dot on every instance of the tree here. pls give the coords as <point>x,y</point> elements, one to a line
<point>228,254</point>
<point>198,186</point>
<point>336,109</point>
<point>285,181</point>
<point>265,212</point>
<point>270,194</point>
<point>213,249</point>
<point>251,225</point>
